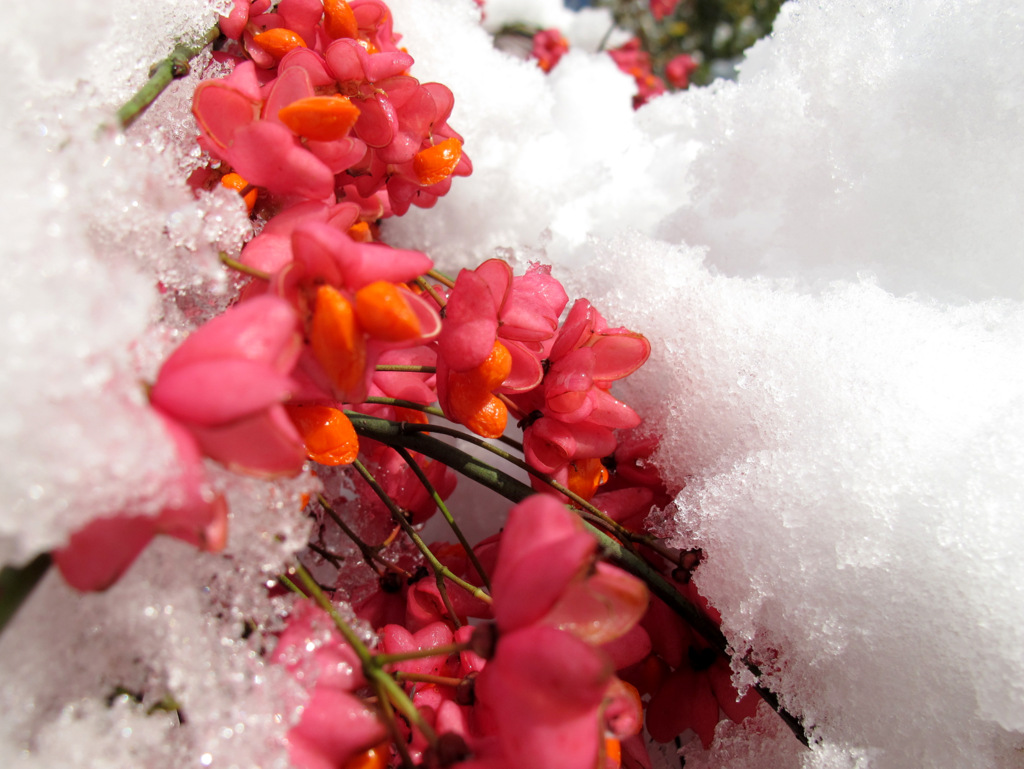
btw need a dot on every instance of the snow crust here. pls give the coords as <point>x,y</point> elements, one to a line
<point>826,256</point>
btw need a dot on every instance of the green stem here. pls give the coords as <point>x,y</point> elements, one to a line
<point>245,269</point>
<point>446,513</point>
<point>16,585</point>
<point>427,678</point>
<point>162,74</point>
<point>404,404</point>
<point>370,555</point>
<point>410,369</point>
<point>609,524</point>
<point>438,567</point>
<point>437,651</point>
<point>393,434</point>
<point>371,669</point>
<point>441,278</point>
<point>425,286</point>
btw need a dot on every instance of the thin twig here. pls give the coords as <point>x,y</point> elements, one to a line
<point>162,74</point>
<point>443,508</point>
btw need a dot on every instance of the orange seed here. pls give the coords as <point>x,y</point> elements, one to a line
<point>435,164</point>
<point>278,42</point>
<point>327,433</point>
<point>339,20</point>
<point>320,118</point>
<point>385,314</point>
<point>337,341</point>
<point>235,182</point>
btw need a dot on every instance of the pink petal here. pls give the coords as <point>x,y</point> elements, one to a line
<point>527,371</point>
<point>548,687</point>
<point>221,110</point>
<point>343,60</point>
<point>291,85</point>
<point>619,355</point>
<point>211,393</point>
<point>316,247</point>
<point>263,329</point>
<point>377,121</point>
<point>266,444</point>
<point>471,323</point>
<point>339,155</point>
<point>268,155</point>
<point>542,549</point>
<point>534,306</point>
<point>578,326</point>
<point>335,726</point>
<point>370,262</point>
<point>610,412</point>
<point>601,608</point>
<point>233,24</point>
<point>628,649</point>
<point>310,61</point>
<point>98,554</point>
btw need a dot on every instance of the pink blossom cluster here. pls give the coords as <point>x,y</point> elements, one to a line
<point>550,45</point>
<point>320,106</point>
<point>528,649</point>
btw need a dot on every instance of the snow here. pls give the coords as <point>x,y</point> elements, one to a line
<point>825,255</point>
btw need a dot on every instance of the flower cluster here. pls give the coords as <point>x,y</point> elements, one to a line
<point>633,57</point>
<point>320,105</point>
<point>528,649</point>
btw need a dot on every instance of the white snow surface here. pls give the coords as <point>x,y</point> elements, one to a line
<point>826,256</point>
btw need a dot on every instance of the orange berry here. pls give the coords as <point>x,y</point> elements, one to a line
<point>360,232</point>
<point>496,367</point>
<point>339,20</point>
<point>489,421</point>
<point>385,314</point>
<point>585,475</point>
<point>327,433</point>
<point>612,752</point>
<point>372,758</point>
<point>237,183</point>
<point>435,164</point>
<point>337,341</point>
<point>278,42</point>
<point>475,407</point>
<point>320,118</point>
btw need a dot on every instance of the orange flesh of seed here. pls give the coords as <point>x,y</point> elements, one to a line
<point>237,183</point>
<point>327,434</point>
<point>278,42</point>
<point>435,164</point>
<point>585,475</point>
<point>320,118</point>
<point>360,232</point>
<point>372,758</point>
<point>339,20</point>
<point>336,339</point>
<point>613,751</point>
<point>470,394</point>
<point>385,314</point>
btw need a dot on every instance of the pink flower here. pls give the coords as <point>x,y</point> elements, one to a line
<point>544,688</point>
<point>336,724</point>
<point>546,574</point>
<point>549,46</point>
<point>636,62</point>
<point>227,382</point>
<point>662,9</point>
<point>354,306</point>
<point>679,69</point>
<point>100,552</point>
